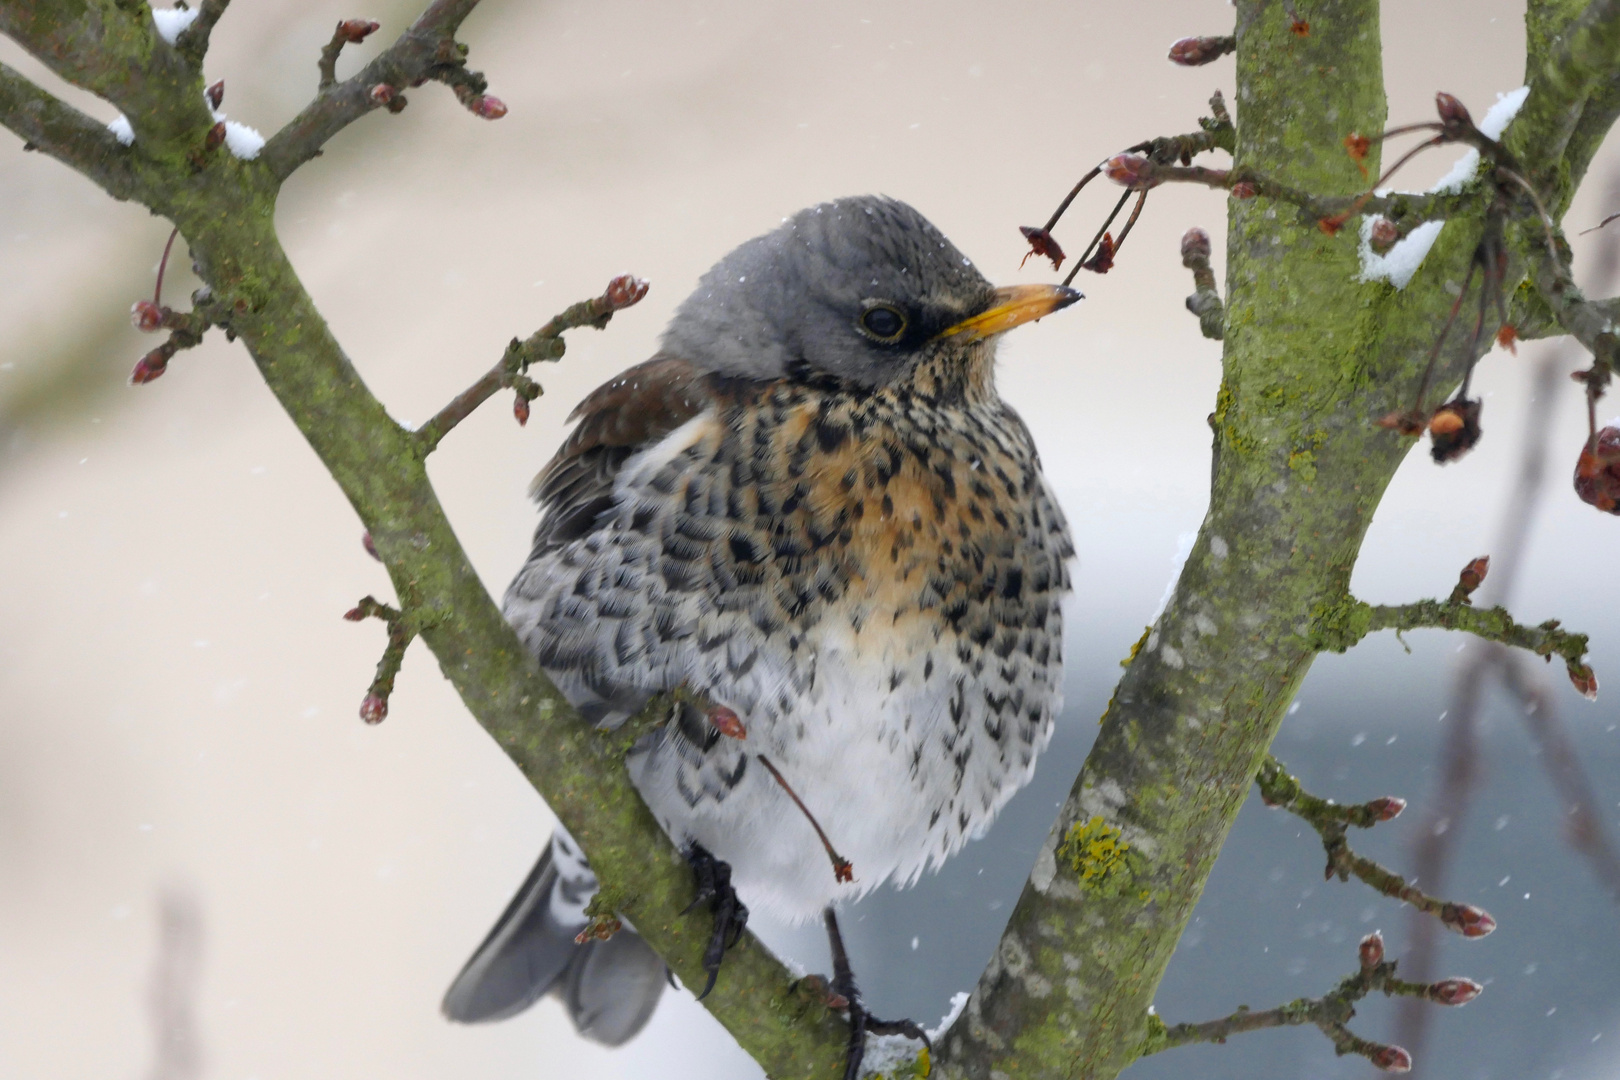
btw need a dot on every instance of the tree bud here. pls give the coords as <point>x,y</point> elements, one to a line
<point>146,316</point>
<point>374,708</point>
<point>1392,1059</point>
<point>1371,950</point>
<point>1454,991</point>
<point>1467,920</point>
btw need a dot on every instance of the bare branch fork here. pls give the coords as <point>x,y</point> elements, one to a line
<point>1331,821</point>
<point>1339,626</point>
<point>1330,1013</point>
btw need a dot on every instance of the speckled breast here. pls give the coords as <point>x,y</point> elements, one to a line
<point>870,580</point>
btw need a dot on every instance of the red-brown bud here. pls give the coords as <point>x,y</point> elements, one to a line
<point>149,367</point>
<point>1597,471</point>
<point>1473,575</point>
<point>520,410</point>
<point>727,722</point>
<point>1371,950</point>
<point>1391,1059</point>
<point>1358,145</point>
<point>624,291</point>
<point>146,316</point>
<point>1194,245</point>
<point>371,548</point>
<point>1584,679</point>
<point>215,94</point>
<point>374,708</point>
<point>382,94</point>
<point>1244,189</point>
<point>1383,235</point>
<point>1452,112</point>
<point>355,31</point>
<point>489,107</point>
<point>355,614</point>
<point>1387,808</point>
<point>1454,991</point>
<point>1130,170</point>
<point>1467,920</point>
<point>1197,51</point>
<point>1407,423</point>
<point>1041,244</point>
<point>216,137</point>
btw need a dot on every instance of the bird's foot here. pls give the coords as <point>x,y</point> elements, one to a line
<point>861,1022</point>
<point>713,878</point>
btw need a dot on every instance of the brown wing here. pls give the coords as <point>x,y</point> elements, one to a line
<point>620,417</point>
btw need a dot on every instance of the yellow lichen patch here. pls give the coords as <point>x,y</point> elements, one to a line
<point>1097,854</point>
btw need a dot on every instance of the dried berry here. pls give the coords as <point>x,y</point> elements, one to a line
<point>1383,235</point>
<point>1454,429</point>
<point>1597,471</point>
<point>146,316</point>
<point>1371,950</point>
<point>1198,51</point>
<point>1042,244</point>
<point>374,708</point>
<point>1102,260</point>
<point>1454,991</point>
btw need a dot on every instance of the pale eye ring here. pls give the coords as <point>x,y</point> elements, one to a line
<point>882,322</point>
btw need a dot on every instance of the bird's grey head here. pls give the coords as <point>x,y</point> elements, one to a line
<point>852,288</point>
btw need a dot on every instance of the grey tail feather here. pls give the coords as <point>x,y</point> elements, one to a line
<point>610,988</point>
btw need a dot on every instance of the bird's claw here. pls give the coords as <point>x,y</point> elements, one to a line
<point>713,880</point>
<point>861,1022</point>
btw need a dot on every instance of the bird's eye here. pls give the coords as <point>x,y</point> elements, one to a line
<point>883,322</point>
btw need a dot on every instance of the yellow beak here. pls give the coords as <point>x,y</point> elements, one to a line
<point>1014,306</point>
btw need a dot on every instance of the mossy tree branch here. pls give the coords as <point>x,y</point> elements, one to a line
<point>224,207</point>
<point>1298,472</point>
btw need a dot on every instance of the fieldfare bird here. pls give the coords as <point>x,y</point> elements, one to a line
<point>811,510</point>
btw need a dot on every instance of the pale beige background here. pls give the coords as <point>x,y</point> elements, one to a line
<point>177,692</point>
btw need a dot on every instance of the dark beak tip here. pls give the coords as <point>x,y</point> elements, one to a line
<point>1070,296</point>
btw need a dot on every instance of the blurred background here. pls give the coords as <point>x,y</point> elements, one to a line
<point>196,830</point>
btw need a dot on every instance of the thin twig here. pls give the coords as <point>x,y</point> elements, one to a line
<point>1330,820</point>
<point>545,344</point>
